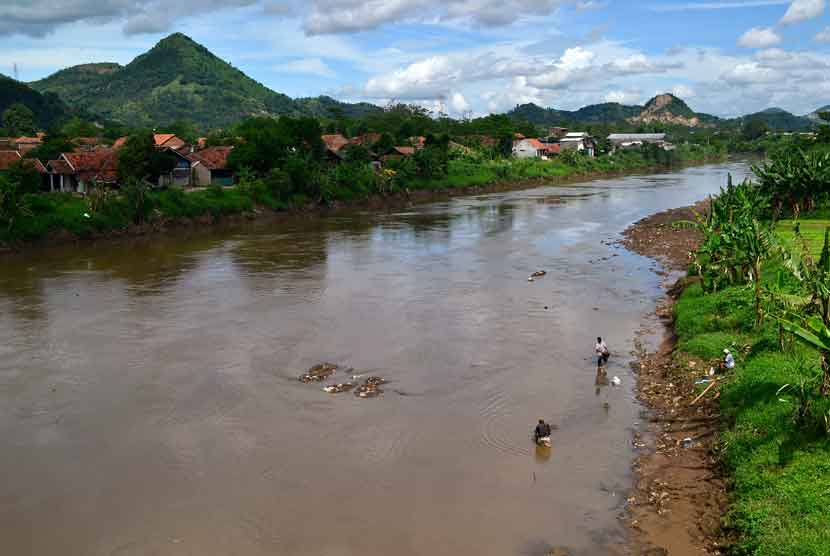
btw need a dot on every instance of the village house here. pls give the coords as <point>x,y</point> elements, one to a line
<point>334,141</point>
<point>78,171</point>
<point>210,167</point>
<point>529,148</point>
<point>168,141</point>
<point>556,133</point>
<point>397,153</point>
<point>579,141</point>
<point>635,140</point>
<point>26,144</point>
<point>182,173</point>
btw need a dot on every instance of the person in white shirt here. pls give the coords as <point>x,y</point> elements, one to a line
<point>728,361</point>
<point>602,353</point>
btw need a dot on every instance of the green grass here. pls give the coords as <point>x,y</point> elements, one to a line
<point>780,466</point>
<point>811,227</point>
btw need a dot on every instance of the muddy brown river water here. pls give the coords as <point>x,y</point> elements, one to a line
<point>149,401</point>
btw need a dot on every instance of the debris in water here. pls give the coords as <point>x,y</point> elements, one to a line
<point>687,443</point>
<point>616,381</point>
<point>539,274</point>
<point>338,388</point>
<point>319,373</point>
<point>370,388</point>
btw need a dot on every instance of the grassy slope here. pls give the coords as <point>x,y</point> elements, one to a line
<point>781,470</point>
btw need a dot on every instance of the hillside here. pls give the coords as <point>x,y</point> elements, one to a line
<point>608,112</point>
<point>670,110</point>
<point>778,119</point>
<point>178,79</point>
<point>663,109</point>
<point>814,116</point>
<point>48,108</point>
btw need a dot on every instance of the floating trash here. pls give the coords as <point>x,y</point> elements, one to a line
<point>370,388</point>
<point>319,373</point>
<point>339,388</point>
<point>539,274</point>
<point>616,381</point>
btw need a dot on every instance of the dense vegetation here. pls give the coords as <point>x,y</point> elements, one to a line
<point>282,163</point>
<point>43,110</point>
<point>764,292</point>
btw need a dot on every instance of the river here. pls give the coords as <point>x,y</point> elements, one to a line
<point>149,401</point>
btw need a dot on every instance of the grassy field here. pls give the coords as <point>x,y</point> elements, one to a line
<point>778,455</point>
<point>811,229</point>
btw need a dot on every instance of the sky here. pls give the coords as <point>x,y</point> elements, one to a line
<point>461,57</point>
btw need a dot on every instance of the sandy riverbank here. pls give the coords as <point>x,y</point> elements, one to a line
<point>679,497</point>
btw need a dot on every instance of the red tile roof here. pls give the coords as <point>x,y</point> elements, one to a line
<point>553,148</point>
<point>168,140</point>
<point>367,139</point>
<point>536,144</point>
<point>29,140</point>
<point>212,158</point>
<point>7,158</point>
<point>418,142</point>
<point>98,164</point>
<point>120,142</point>
<point>406,151</point>
<point>335,141</point>
<point>41,169</point>
<point>60,167</point>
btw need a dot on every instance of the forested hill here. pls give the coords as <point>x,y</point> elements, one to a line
<point>178,79</point>
<point>47,108</point>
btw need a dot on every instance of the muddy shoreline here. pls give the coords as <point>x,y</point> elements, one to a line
<point>393,201</point>
<point>676,505</point>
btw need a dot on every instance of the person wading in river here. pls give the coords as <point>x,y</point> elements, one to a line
<point>543,430</point>
<point>602,354</point>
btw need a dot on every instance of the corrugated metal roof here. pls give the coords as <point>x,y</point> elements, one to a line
<point>637,137</point>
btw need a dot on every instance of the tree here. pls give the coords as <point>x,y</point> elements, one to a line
<point>815,279</point>
<point>754,129</point>
<point>139,159</point>
<point>18,119</point>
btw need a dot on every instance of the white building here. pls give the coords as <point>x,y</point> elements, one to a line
<point>529,148</point>
<point>579,141</point>
<point>633,140</point>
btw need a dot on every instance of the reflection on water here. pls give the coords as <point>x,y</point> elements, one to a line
<point>149,401</point>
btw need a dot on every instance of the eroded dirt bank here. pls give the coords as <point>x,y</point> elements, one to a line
<point>679,497</point>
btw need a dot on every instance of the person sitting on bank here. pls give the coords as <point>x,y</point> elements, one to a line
<point>542,431</point>
<point>728,362</point>
<point>602,353</point>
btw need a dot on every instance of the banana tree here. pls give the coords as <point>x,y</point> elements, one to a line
<point>778,303</point>
<point>814,332</point>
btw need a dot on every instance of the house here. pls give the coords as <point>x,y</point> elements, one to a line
<point>418,142</point>
<point>182,173</point>
<point>366,140</point>
<point>634,140</point>
<point>529,148</point>
<point>120,142</point>
<point>579,141</point>
<point>7,158</point>
<point>210,166</point>
<point>557,132</point>
<point>397,153</point>
<point>86,143</point>
<point>168,141</point>
<point>26,144</point>
<point>79,170</point>
<point>334,141</point>
<point>552,149</point>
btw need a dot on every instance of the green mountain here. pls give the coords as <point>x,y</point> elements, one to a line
<point>778,119</point>
<point>814,115</point>
<point>664,109</point>
<point>47,108</point>
<point>178,79</point>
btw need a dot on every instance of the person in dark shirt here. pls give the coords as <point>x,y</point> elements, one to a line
<point>542,430</point>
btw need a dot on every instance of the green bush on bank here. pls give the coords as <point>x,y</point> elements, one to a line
<point>780,462</point>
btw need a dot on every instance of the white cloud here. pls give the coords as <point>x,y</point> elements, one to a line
<point>624,97</point>
<point>802,10</point>
<point>751,72</point>
<point>683,91</point>
<point>823,36</point>
<point>759,37</point>
<point>308,66</point>
<point>459,104</point>
<point>343,16</point>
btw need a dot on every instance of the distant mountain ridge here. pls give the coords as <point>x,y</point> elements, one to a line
<point>178,79</point>
<point>665,109</point>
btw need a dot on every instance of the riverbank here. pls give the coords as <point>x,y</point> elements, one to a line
<point>680,495</point>
<point>56,219</point>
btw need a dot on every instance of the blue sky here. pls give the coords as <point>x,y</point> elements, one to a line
<point>464,57</point>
